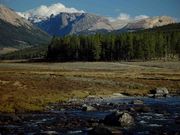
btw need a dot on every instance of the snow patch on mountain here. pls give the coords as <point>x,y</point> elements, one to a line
<point>44,12</point>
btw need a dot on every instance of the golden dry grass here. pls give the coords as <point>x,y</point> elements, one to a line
<point>31,86</point>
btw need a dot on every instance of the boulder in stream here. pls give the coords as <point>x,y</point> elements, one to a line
<point>137,102</point>
<point>88,108</point>
<point>123,119</point>
<point>159,92</point>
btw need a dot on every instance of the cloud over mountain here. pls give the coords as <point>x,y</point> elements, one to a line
<point>127,17</point>
<point>47,11</point>
<point>123,16</point>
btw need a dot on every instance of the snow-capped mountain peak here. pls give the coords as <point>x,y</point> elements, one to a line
<point>44,12</point>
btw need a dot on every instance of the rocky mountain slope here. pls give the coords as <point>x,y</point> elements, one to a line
<point>85,23</point>
<point>73,23</point>
<point>149,23</point>
<point>17,32</point>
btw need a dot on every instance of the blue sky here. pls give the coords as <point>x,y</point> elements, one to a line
<point>107,7</point>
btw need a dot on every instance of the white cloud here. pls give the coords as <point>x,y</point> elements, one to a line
<point>46,11</point>
<point>127,17</point>
<point>123,16</point>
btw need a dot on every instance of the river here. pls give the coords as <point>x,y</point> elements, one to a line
<point>155,116</point>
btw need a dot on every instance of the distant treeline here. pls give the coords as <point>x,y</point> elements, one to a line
<point>142,45</point>
<point>157,43</point>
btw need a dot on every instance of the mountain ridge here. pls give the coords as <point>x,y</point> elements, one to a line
<point>76,23</point>
<point>73,23</point>
<point>17,32</point>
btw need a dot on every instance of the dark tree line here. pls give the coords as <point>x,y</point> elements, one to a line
<point>144,45</point>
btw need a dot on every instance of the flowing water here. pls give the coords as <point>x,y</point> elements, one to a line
<point>163,117</point>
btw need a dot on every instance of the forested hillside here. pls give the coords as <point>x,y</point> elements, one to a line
<point>156,43</point>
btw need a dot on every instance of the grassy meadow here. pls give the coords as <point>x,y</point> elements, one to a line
<point>31,86</point>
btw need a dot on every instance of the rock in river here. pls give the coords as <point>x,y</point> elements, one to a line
<point>88,108</point>
<point>123,119</point>
<point>137,102</point>
<point>159,92</point>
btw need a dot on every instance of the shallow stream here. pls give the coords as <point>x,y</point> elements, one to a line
<point>157,116</point>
